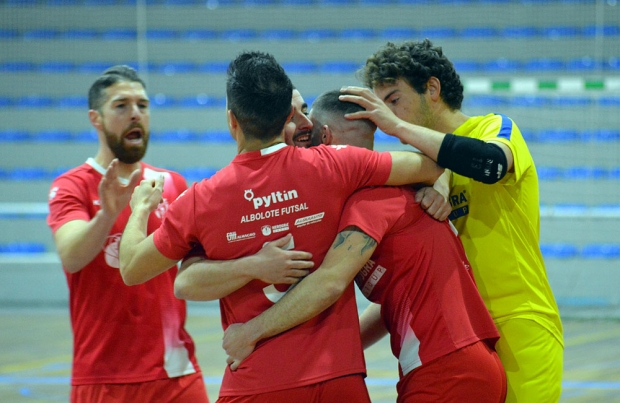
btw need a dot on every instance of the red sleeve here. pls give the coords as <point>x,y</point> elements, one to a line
<point>176,236</point>
<point>374,210</point>
<point>360,167</point>
<point>68,201</point>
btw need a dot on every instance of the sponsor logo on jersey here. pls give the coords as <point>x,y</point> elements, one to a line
<point>53,192</point>
<point>311,219</point>
<point>273,198</point>
<point>110,250</point>
<point>269,229</point>
<point>369,276</point>
<point>460,205</point>
<point>234,237</point>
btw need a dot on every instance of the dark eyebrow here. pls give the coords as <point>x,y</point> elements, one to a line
<point>385,98</point>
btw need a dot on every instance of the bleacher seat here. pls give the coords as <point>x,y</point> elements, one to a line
<point>34,101</point>
<point>27,174</point>
<point>557,135</point>
<point>604,251</point>
<point>82,33</point>
<point>300,67</point>
<point>279,34</point>
<point>478,32</point>
<point>215,136</point>
<point>397,33</point>
<point>116,34</point>
<point>358,34</point>
<point>198,34</point>
<point>437,33</point>
<point>613,101</point>
<point>22,247</point>
<point>7,33</point>
<point>86,136</point>
<point>174,136</point>
<point>339,67</point>
<point>557,32</point>
<point>93,67</point>
<point>40,34</point>
<point>586,173</point>
<point>11,135</point>
<point>73,101</point>
<point>546,173</point>
<point>213,67</point>
<point>202,101</point>
<point>53,136</point>
<point>605,30</point>
<point>56,67</point>
<point>314,35</point>
<point>544,64</point>
<point>171,68</point>
<point>17,67</point>
<point>559,251</point>
<point>519,32</point>
<point>238,35</point>
<point>529,101</point>
<point>161,34</point>
<point>585,63</point>
<point>501,65</point>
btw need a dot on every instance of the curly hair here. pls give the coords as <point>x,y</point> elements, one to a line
<point>415,62</point>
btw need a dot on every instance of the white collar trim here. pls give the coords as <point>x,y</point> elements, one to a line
<point>272,149</point>
<point>102,170</point>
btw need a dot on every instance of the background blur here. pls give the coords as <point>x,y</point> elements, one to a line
<point>553,66</point>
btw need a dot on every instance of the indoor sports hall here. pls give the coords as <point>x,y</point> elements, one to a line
<point>553,66</point>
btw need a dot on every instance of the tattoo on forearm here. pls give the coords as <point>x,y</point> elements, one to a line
<point>368,242</point>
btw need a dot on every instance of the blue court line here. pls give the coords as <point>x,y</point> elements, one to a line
<point>212,380</point>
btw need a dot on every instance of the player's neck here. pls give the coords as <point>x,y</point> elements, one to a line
<point>448,121</point>
<point>104,158</point>
<point>246,145</point>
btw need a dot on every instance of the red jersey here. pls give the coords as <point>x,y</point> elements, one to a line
<point>261,196</point>
<point>420,275</point>
<point>121,334</point>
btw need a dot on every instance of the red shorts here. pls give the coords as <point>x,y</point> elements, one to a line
<point>350,389</point>
<point>471,374</point>
<point>184,389</point>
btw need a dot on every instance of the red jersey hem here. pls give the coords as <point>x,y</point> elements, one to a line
<point>230,392</point>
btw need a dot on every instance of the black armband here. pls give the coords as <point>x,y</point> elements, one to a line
<point>473,158</point>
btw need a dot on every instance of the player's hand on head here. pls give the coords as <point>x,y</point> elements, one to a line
<point>276,264</point>
<point>375,109</point>
<point>238,344</point>
<point>148,194</point>
<point>113,195</point>
<point>434,203</point>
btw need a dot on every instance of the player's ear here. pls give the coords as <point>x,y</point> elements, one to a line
<point>433,86</point>
<point>326,135</point>
<point>95,119</point>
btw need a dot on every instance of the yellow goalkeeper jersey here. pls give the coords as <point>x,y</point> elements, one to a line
<point>499,225</point>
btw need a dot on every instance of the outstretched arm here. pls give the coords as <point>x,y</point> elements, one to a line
<point>486,162</point>
<point>200,279</point>
<point>78,241</point>
<point>139,258</point>
<point>348,254</point>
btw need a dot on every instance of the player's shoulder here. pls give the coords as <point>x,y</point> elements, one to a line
<point>81,172</point>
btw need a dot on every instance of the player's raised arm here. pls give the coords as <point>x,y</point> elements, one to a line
<point>348,254</point>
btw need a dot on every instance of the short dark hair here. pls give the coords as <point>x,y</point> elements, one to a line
<point>259,94</point>
<point>113,75</point>
<point>329,102</point>
<point>415,62</point>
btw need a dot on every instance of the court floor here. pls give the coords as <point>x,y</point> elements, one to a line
<point>35,346</point>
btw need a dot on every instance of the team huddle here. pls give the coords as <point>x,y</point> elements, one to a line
<point>442,240</point>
